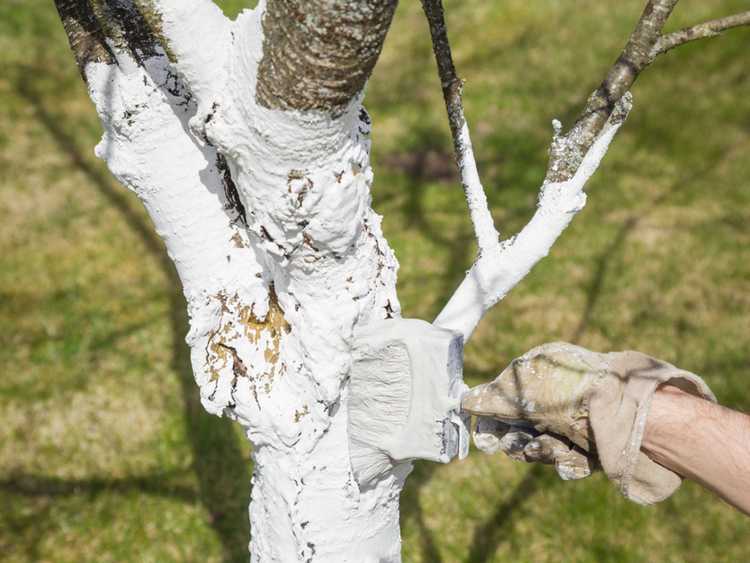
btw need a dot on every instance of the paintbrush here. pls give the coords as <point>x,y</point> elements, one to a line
<point>405,390</point>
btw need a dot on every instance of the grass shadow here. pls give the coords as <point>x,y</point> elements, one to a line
<point>411,508</point>
<point>490,535</point>
<point>603,262</point>
<point>44,492</point>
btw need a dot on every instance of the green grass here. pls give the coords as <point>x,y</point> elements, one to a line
<point>105,454</point>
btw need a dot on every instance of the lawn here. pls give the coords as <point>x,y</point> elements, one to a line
<point>105,453</point>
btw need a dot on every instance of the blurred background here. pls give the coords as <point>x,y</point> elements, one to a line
<point>105,453</point>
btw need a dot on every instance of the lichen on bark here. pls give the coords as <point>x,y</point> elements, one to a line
<point>318,54</point>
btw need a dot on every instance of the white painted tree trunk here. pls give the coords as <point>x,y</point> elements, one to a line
<point>266,215</point>
<point>272,304</point>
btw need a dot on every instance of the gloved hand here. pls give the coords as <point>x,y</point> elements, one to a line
<point>580,410</point>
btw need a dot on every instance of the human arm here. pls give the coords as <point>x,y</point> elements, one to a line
<point>580,410</point>
<point>715,452</point>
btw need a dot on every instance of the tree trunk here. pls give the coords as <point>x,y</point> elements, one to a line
<point>254,166</point>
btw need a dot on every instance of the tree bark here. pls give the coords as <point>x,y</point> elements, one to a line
<point>317,54</point>
<point>262,197</point>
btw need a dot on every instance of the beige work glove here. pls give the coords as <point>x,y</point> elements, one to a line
<point>580,410</point>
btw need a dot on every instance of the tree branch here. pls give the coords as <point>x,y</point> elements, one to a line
<point>85,34</point>
<point>98,28</point>
<point>481,217</point>
<point>704,30</point>
<point>144,109</point>
<point>568,150</point>
<point>196,36</point>
<point>318,54</point>
<point>574,156</point>
<point>493,276</point>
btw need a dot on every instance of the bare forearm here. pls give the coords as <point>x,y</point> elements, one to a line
<point>701,441</point>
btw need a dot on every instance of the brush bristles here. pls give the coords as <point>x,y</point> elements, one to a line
<point>380,394</point>
<point>404,395</point>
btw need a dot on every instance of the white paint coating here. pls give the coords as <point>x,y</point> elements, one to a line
<point>199,38</point>
<point>496,272</point>
<point>276,361</point>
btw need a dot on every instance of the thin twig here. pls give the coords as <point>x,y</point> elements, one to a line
<point>703,30</point>
<point>484,226</point>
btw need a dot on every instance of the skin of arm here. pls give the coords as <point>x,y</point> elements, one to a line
<point>701,441</point>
